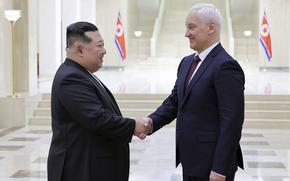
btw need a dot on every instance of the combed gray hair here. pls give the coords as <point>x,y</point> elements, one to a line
<point>208,12</point>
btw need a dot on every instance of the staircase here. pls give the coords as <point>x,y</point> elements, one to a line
<point>267,111</point>
<point>171,40</point>
<point>262,111</point>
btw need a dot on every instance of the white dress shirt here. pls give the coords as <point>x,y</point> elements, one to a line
<point>95,77</point>
<point>202,56</point>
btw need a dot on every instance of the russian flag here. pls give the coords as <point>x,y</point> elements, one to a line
<point>265,38</point>
<point>120,38</point>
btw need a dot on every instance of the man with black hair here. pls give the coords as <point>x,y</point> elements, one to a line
<point>90,136</point>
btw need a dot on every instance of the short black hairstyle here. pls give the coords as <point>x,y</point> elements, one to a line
<point>76,32</point>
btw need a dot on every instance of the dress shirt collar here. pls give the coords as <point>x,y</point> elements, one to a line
<point>96,78</point>
<point>205,52</point>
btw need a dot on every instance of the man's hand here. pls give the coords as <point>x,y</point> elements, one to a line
<point>143,127</point>
<point>216,177</point>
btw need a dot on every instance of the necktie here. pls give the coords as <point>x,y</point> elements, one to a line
<point>194,63</point>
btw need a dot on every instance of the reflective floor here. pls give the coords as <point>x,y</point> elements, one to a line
<point>23,151</point>
<point>23,155</point>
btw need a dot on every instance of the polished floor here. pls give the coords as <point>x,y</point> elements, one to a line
<point>23,151</point>
<point>23,155</point>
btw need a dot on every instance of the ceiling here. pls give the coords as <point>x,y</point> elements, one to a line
<point>245,16</point>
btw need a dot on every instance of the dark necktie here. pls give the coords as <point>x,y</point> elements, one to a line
<point>194,63</point>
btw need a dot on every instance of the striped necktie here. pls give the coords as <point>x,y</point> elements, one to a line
<point>193,66</point>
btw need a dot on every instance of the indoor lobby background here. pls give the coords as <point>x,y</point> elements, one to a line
<point>33,47</point>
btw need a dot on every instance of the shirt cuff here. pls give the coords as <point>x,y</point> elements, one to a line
<point>218,174</point>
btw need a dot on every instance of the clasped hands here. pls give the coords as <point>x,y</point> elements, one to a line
<point>143,126</point>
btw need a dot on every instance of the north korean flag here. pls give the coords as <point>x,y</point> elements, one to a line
<point>265,38</point>
<point>120,38</point>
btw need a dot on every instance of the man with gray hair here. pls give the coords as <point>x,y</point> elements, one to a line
<point>208,102</point>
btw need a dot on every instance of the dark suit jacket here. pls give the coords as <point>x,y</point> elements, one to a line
<point>209,117</point>
<point>90,136</point>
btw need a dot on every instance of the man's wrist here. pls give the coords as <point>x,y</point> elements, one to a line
<point>151,123</point>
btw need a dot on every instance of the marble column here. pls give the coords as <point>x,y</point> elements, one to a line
<point>5,51</point>
<point>33,46</point>
<point>49,40</point>
<point>70,13</point>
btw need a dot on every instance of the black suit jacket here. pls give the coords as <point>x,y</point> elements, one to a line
<point>209,117</point>
<point>90,136</point>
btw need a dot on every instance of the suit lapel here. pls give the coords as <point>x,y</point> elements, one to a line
<point>201,70</point>
<point>106,93</point>
<point>183,75</point>
<point>103,90</point>
<point>112,100</point>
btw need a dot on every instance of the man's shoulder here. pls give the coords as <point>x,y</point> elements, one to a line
<point>69,71</point>
<point>70,67</point>
<point>185,60</point>
<point>188,58</point>
<point>223,56</point>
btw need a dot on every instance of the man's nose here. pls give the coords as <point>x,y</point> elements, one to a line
<point>186,33</point>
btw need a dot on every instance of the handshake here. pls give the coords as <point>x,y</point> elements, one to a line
<point>143,127</point>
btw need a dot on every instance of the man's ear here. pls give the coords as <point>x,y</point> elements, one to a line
<point>212,26</point>
<point>79,49</point>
